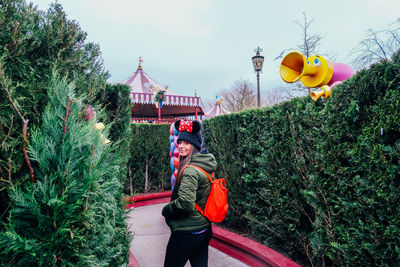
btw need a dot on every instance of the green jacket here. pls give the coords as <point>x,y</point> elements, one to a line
<point>180,213</point>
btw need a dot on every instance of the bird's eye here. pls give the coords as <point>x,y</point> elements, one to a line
<point>317,62</point>
<point>308,62</point>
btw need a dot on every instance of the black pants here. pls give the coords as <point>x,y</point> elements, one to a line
<point>184,246</point>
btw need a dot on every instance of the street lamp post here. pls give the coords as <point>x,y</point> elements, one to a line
<point>258,61</point>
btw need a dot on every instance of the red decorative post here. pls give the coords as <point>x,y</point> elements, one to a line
<point>159,97</point>
<point>197,103</point>
<point>159,112</point>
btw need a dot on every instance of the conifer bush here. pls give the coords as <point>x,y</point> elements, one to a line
<point>115,100</point>
<point>72,215</point>
<point>32,44</point>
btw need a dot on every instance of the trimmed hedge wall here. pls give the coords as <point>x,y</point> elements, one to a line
<point>149,149</point>
<point>317,181</point>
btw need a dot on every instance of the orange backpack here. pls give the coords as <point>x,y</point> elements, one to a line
<point>217,202</point>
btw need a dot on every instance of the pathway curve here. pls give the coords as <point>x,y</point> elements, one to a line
<point>151,237</point>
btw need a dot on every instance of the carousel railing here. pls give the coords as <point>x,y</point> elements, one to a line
<point>162,120</point>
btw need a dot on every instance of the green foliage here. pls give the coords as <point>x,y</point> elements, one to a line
<point>319,181</point>
<point>159,97</point>
<point>72,215</point>
<point>228,150</point>
<point>149,150</point>
<point>32,44</point>
<point>75,206</point>
<point>116,102</point>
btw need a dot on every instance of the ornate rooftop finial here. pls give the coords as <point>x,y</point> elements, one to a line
<point>140,63</point>
<point>258,50</point>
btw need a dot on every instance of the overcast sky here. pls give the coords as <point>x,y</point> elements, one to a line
<point>208,44</point>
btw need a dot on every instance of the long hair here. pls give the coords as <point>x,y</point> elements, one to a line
<point>184,161</point>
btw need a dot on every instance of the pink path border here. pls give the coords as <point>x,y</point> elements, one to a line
<point>241,248</point>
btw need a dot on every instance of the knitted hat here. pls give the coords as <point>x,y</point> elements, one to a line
<point>190,131</point>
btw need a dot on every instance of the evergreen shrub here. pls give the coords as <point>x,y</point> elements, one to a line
<point>115,100</point>
<point>32,44</point>
<point>72,215</point>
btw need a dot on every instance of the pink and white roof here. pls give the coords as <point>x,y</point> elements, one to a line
<point>141,85</point>
<point>217,110</point>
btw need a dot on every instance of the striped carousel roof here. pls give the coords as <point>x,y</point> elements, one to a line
<point>218,109</point>
<point>174,105</point>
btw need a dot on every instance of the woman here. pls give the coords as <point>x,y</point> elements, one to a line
<point>190,231</point>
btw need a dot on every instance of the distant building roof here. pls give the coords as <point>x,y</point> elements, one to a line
<point>218,109</point>
<point>140,82</point>
<point>143,90</point>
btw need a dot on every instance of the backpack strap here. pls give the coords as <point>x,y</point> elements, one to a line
<point>197,167</point>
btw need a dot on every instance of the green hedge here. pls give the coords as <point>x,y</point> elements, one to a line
<point>318,181</point>
<point>149,147</point>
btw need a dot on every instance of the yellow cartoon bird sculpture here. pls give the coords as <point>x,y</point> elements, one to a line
<point>314,72</point>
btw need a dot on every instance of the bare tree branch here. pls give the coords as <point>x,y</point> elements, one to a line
<point>377,46</point>
<point>242,95</point>
<point>310,43</point>
<point>275,96</point>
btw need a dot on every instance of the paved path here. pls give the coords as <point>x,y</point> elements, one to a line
<point>151,236</point>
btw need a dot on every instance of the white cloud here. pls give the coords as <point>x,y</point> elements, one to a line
<point>175,18</point>
<point>379,7</point>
